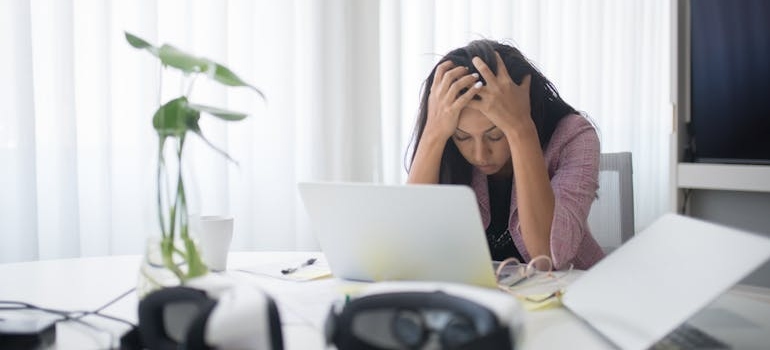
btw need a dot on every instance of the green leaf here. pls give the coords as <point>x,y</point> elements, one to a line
<point>175,118</point>
<point>188,63</point>
<point>198,131</point>
<point>225,76</point>
<point>218,112</point>
<point>171,56</point>
<point>140,43</point>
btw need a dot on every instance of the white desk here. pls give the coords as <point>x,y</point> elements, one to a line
<point>88,283</point>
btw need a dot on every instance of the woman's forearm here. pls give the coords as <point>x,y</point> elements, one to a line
<point>427,161</point>
<point>533,190</point>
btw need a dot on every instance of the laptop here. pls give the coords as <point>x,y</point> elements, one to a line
<point>663,276</point>
<point>376,232</point>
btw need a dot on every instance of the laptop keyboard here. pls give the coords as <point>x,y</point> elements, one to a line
<point>689,337</point>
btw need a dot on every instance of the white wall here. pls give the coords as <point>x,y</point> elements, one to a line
<point>749,211</point>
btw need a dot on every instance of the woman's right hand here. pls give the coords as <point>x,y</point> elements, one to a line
<point>444,104</point>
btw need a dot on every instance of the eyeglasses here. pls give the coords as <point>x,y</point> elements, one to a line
<point>511,274</point>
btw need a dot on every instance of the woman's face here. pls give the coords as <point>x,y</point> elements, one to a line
<point>482,143</point>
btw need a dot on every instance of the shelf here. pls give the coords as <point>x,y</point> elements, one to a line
<point>730,177</point>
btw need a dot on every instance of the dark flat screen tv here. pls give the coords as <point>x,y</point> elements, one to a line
<point>730,80</point>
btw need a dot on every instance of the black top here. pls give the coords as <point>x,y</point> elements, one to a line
<point>499,239</point>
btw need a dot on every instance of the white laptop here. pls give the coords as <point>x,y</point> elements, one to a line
<point>662,277</point>
<point>376,232</point>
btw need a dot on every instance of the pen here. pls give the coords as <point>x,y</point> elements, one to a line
<point>290,270</point>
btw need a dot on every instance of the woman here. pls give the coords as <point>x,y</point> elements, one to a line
<point>489,119</point>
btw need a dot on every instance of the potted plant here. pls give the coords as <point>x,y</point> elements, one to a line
<point>173,122</point>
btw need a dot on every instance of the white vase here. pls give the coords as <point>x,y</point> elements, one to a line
<point>153,273</point>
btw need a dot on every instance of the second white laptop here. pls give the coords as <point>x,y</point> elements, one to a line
<point>375,232</point>
<point>661,277</point>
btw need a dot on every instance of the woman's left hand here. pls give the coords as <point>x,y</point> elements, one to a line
<point>502,101</point>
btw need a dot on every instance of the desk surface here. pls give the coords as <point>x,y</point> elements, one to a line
<point>89,283</point>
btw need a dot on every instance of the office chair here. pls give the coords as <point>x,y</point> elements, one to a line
<point>611,219</point>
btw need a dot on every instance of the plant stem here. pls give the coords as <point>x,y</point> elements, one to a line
<point>167,250</point>
<point>195,266</point>
<point>167,244</point>
<point>181,197</point>
<point>161,166</point>
<point>190,87</point>
<point>179,189</point>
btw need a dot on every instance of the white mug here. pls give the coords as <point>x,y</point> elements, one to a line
<point>214,232</point>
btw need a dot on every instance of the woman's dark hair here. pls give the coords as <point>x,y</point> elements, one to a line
<point>546,105</point>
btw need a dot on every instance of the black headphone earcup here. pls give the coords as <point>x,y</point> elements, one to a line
<point>331,326</point>
<point>196,333</point>
<point>276,336</point>
<point>152,315</point>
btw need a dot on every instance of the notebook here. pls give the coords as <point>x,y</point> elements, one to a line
<point>662,277</point>
<point>376,232</point>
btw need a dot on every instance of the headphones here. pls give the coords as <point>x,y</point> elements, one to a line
<point>188,318</point>
<point>425,317</point>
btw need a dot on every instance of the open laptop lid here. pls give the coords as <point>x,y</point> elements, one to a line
<point>661,277</point>
<point>376,232</point>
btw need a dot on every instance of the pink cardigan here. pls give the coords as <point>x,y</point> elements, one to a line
<point>572,158</point>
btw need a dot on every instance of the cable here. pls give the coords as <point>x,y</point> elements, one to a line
<point>75,316</point>
<point>65,315</point>
<point>97,312</point>
<point>28,306</point>
<point>115,300</point>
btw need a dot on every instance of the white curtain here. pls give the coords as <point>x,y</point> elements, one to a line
<point>77,147</point>
<point>608,58</point>
<point>342,79</point>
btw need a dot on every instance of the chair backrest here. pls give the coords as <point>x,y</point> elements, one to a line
<point>612,214</point>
